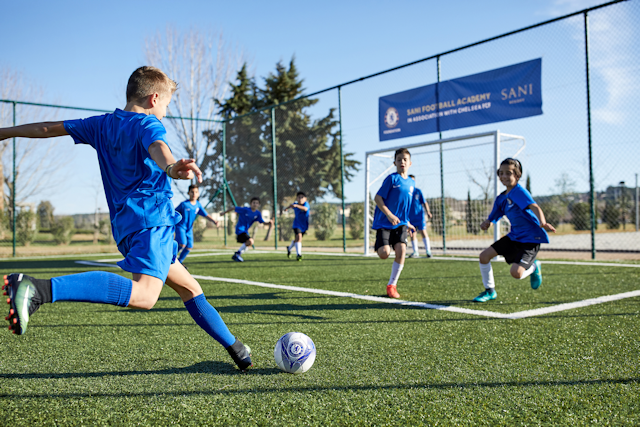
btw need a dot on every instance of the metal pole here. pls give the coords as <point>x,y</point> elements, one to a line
<point>637,213</point>
<point>443,207</point>
<point>366,205</point>
<point>496,187</point>
<point>344,218</point>
<point>13,195</point>
<point>275,175</point>
<point>592,193</point>
<point>224,179</point>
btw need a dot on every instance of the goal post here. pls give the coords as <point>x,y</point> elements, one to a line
<point>458,179</point>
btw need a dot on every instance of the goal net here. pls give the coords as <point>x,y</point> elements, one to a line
<point>458,179</point>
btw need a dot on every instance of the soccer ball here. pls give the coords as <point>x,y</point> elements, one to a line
<point>295,353</point>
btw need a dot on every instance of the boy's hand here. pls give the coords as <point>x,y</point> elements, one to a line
<point>393,219</point>
<point>485,225</point>
<point>412,229</point>
<point>186,169</point>
<point>429,215</point>
<point>549,227</point>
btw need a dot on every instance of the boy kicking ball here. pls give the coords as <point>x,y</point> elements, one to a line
<point>300,223</point>
<point>246,217</point>
<point>137,167</point>
<point>391,218</point>
<point>520,247</point>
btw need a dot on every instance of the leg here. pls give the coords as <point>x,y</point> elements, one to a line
<point>299,246</point>
<point>414,245</point>
<point>184,253</point>
<point>487,275</point>
<point>425,241</point>
<point>145,291</point>
<point>398,264</point>
<point>384,252</point>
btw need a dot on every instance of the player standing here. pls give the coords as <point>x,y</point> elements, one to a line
<point>246,217</point>
<point>300,223</point>
<point>391,217</point>
<point>419,207</point>
<point>136,164</point>
<point>520,247</point>
<point>189,209</point>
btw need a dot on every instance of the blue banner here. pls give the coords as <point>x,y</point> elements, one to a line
<point>503,94</point>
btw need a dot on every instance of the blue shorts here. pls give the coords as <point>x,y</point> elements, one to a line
<point>418,222</point>
<point>184,237</point>
<point>150,251</point>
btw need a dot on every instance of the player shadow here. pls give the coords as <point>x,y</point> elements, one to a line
<point>209,367</point>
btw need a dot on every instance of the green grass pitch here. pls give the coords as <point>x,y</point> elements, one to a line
<point>377,363</point>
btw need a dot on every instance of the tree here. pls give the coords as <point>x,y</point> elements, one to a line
<point>45,214</point>
<point>62,230</point>
<point>485,181</point>
<point>528,183</point>
<point>475,214</point>
<point>324,221</point>
<point>581,216</point>
<point>307,149</point>
<point>356,221</point>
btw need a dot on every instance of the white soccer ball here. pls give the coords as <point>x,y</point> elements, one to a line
<point>295,353</point>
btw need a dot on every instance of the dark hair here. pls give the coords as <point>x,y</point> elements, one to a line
<point>254,198</point>
<point>401,151</point>
<point>146,81</point>
<point>412,176</point>
<point>512,162</point>
<point>300,193</point>
<point>192,186</point>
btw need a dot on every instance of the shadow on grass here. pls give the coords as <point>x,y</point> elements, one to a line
<point>309,389</point>
<point>211,367</point>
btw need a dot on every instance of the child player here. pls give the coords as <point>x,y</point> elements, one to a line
<point>246,217</point>
<point>416,218</point>
<point>521,245</point>
<point>184,229</point>
<point>391,218</point>
<point>136,166</point>
<point>300,223</point>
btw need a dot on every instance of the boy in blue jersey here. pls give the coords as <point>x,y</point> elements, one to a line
<point>300,223</point>
<point>391,218</point>
<point>522,244</point>
<point>189,209</point>
<point>246,217</point>
<point>136,164</point>
<point>419,207</point>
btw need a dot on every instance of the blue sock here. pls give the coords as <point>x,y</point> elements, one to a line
<point>183,254</point>
<point>94,286</point>
<point>208,319</point>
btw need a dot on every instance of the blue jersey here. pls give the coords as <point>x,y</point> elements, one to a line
<point>138,192</point>
<point>246,217</point>
<point>189,212</point>
<point>301,220</point>
<point>417,211</point>
<point>397,193</point>
<point>525,226</point>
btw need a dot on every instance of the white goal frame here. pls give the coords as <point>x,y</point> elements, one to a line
<point>498,137</point>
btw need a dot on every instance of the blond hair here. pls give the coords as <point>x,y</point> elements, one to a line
<point>146,81</point>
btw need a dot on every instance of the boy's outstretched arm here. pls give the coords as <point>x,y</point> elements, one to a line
<point>543,222</point>
<point>34,130</point>
<point>182,169</point>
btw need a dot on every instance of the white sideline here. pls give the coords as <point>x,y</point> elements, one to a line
<point>485,313</point>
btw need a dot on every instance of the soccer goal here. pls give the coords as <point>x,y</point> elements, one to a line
<point>458,179</point>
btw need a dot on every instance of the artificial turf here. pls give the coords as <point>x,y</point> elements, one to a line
<point>377,363</point>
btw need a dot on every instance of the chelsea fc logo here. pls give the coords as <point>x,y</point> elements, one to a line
<point>391,117</point>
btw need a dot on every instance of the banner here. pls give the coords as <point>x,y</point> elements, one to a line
<point>503,94</point>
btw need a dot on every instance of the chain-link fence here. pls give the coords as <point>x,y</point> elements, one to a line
<point>580,161</point>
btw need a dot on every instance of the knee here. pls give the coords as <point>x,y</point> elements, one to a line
<point>147,302</point>
<point>249,242</point>
<point>516,273</point>
<point>383,253</point>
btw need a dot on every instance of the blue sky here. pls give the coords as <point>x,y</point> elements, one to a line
<point>81,53</point>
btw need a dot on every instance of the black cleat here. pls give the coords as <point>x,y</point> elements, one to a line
<point>24,299</point>
<point>241,354</point>
<point>288,252</point>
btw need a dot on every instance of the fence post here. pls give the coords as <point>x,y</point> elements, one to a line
<point>443,208</point>
<point>275,176</point>
<point>344,218</point>
<point>224,180</point>
<point>592,193</point>
<point>13,196</point>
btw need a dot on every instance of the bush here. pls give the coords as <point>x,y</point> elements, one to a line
<point>230,228</point>
<point>199,227</point>
<point>324,221</point>
<point>356,221</point>
<point>105,228</point>
<point>553,212</point>
<point>284,227</point>
<point>62,230</point>
<point>611,215</point>
<point>26,227</point>
<point>436,211</point>
<point>475,215</point>
<point>580,216</point>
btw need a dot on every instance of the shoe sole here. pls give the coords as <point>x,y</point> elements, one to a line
<point>18,313</point>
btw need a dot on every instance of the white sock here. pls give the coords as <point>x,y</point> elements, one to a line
<point>427,244</point>
<point>487,276</point>
<point>414,243</point>
<point>293,243</point>
<point>395,273</point>
<point>528,272</point>
<point>242,248</point>
<point>299,248</point>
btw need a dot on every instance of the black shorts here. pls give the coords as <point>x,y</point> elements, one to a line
<point>242,238</point>
<point>517,252</point>
<point>298,231</point>
<point>386,237</point>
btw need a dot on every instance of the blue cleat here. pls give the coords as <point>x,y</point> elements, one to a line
<point>536,276</point>
<point>486,295</point>
<point>237,258</point>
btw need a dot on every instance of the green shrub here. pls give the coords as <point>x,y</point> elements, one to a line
<point>285,224</point>
<point>62,230</point>
<point>356,221</point>
<point>580,216</point>
<point>230,228</point>
<point>553,211</point>
<point>26,227</point>
<point>104,226</point>
<point>324,221</point>
<point>611,215</point>
<point>199,227</point>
